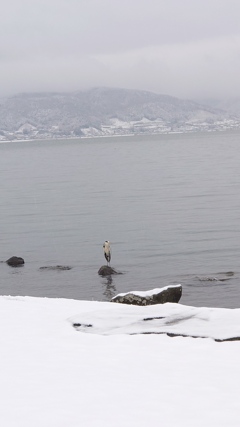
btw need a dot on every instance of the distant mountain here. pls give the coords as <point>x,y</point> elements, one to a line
<point>232,106</point>
<point>104,111</point>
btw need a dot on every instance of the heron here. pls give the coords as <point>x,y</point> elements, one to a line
<point>107,251</point>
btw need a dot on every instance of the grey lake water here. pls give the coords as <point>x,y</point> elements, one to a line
<point>169,204</point>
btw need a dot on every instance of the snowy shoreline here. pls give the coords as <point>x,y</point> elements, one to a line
<point>53,375</point>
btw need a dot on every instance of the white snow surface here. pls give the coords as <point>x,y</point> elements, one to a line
<point>219,324</point>
<point>53,375</point>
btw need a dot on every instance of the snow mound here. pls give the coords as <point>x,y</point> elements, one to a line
<point>172,319</point>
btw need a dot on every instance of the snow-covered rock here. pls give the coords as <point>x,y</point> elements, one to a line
<point>154,296</point>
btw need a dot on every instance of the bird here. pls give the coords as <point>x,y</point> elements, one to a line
<point>107,251</point>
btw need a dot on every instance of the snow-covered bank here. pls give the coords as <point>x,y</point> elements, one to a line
<point>54,376</point>
<point>173,319</point>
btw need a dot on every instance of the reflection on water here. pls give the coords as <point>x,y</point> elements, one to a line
<point>110,289</point>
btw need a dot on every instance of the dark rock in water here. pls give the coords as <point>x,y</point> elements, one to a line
<point>106,270</point>
<point>156,296</point>
<point>56,267</point>
<point>15,261</point>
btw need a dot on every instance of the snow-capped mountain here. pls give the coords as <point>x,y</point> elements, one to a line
<point>106,111</point>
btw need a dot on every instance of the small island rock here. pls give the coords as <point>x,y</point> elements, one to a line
<point>15,261</point>
<point>106,270</point>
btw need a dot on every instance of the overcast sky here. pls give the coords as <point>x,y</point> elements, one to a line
<point>183,48</point>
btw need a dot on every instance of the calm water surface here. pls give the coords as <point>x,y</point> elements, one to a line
<point>169,205</point>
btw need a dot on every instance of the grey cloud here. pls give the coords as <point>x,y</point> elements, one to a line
<point>182,48</point>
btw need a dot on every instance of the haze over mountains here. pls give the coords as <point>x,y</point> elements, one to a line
<point>106,111</point>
